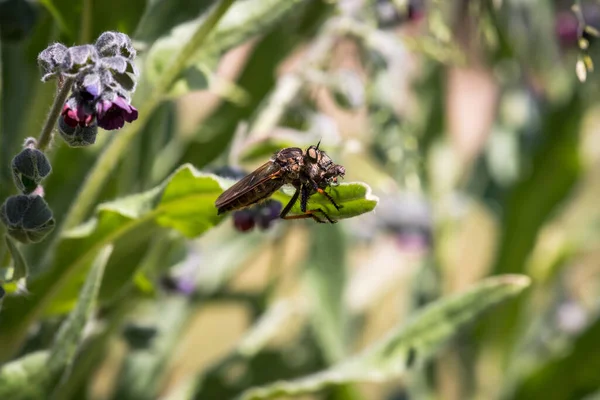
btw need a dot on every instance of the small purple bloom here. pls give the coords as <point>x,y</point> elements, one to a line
<point>77,113</point>
<point>113,114</point>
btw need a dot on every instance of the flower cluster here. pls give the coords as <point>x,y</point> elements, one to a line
<point>261,215</point>
<point>104,77</point>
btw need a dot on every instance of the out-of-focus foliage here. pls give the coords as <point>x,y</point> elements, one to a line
<point>469,135</point>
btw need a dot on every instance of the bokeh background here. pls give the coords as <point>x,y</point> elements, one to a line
<point>475,123</point>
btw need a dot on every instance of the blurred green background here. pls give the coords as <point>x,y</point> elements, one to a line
<point>475,124</point>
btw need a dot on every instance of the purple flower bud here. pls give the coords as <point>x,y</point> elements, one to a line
<point>243,220</point>
<point>78,136</point>
<point>28,219</point>
<point>89,87</point>
<point>267,213</point>
<point>29,168</point>
<point>113,114</point>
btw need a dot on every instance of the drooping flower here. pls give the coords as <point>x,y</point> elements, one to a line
<point>76,112</point>
<point>112,114</point>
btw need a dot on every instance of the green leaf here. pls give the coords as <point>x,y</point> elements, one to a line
<point>355,198</point>
<point>32,376</point>
<point>70,333</point>
<point>184,202</point>
<point>325,278</point>
<point>188,202</point>
<point>20,269</point>
<point>406,345</point>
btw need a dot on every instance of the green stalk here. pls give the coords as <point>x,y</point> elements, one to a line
<point>108,160</point>
<point>61,96</point>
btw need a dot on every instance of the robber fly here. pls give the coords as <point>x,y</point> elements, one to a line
<point>310,172</point>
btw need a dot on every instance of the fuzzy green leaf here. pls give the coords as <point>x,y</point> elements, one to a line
<point>32,376</point>
<point>71,331</point>
<point>406,345</point>
<point>355,198</point>
<point>184,202</point>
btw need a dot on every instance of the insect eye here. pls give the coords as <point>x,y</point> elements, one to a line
<point>312,153</point>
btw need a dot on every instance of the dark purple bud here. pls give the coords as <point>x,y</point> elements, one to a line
<point>29,168</point>
<point>111,44</point>
<point>78,136</point>
<point>267,213</point>
<point>112,114</point>
<point>243,220</point>
<point>28,218</point>
<point>80,58</point>
<point>52,60</point>
<point>77,112</point>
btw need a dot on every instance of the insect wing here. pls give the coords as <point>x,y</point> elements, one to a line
<point>248,183</point>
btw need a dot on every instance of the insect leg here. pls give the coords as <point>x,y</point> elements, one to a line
<point>290,204</point>
<point>324,193</point>
<point>307,213</point>
<point>311,214</point>
<point>304,199</point>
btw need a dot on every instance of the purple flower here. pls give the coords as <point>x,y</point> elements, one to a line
<point>77,113</point>
<point>113,114</point>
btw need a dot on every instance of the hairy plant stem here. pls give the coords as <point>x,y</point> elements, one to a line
<point>61,96</point>
<point>108,160</point>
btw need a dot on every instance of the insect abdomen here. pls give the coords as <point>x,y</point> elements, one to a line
<point>260,192</point>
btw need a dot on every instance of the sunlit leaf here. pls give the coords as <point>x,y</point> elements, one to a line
<point>355,198</point>
<point>184,202</point>
<point>408,344</point>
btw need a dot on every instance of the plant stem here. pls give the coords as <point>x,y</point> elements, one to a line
<point>59,101</point>
<point>117,147</point>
